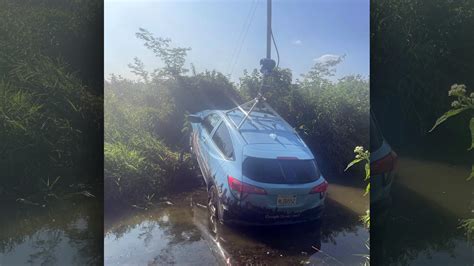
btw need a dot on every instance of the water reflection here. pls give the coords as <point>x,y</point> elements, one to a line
<point>65,233</point>
<point>183,233</point>
<point>420,224</point>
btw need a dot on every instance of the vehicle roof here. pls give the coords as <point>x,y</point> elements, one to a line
<point>265,134</point>
<point>263,128</point>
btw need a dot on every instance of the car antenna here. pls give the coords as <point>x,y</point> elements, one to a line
<point>267,66</point>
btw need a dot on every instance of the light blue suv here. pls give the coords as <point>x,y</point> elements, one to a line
<point>256,167</point>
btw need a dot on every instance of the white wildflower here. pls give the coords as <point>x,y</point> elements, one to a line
<point>358,149</point>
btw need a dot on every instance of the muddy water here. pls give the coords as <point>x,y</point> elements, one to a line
<point>63,233</point>
<point>420,225</point>
<point>181,232</point>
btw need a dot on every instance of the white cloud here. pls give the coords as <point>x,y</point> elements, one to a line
<point>328,58</point>
<point>297,42</point>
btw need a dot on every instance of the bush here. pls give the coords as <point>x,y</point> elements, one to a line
<point>137,162</point>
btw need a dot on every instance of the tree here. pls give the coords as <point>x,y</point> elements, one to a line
<point>173,58</point>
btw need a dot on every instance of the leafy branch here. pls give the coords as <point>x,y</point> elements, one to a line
<point>363,156</point>
<point>462,104</point>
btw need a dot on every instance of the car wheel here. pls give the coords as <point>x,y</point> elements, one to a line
<point>215,209</point>
<point>212,203</point>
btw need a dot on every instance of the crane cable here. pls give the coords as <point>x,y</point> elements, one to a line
<point>276,49</point>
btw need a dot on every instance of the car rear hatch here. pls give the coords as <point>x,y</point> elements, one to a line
<point>281,179</point>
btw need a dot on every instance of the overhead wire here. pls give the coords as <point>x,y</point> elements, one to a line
<point>243,39</point>
<point>247,19</point>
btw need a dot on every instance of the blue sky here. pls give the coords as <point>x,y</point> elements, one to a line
<point>305,31</point>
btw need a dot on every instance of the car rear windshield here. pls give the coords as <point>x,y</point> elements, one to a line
<point>278,171</point>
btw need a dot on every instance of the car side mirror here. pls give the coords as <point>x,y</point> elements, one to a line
<point>194,119</point>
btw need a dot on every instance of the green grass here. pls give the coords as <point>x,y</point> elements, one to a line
<point>50,115</point>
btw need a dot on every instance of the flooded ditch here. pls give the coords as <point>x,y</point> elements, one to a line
<point>62,233</point>
<point>420,225</point>
<point>180,232</point>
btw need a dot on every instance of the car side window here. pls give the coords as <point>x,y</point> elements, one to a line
<point>222,140</point>
<point>210,122</point>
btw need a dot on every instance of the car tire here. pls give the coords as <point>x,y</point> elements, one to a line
<point>214,206</point>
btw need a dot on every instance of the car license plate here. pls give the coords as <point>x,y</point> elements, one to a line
<point>285,200</point>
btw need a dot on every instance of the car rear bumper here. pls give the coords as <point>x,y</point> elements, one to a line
<point>262,216</point>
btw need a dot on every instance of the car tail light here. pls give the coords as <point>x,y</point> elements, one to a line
<point>384,165</point>
<point>242,187</point>
<point>320,188</point>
